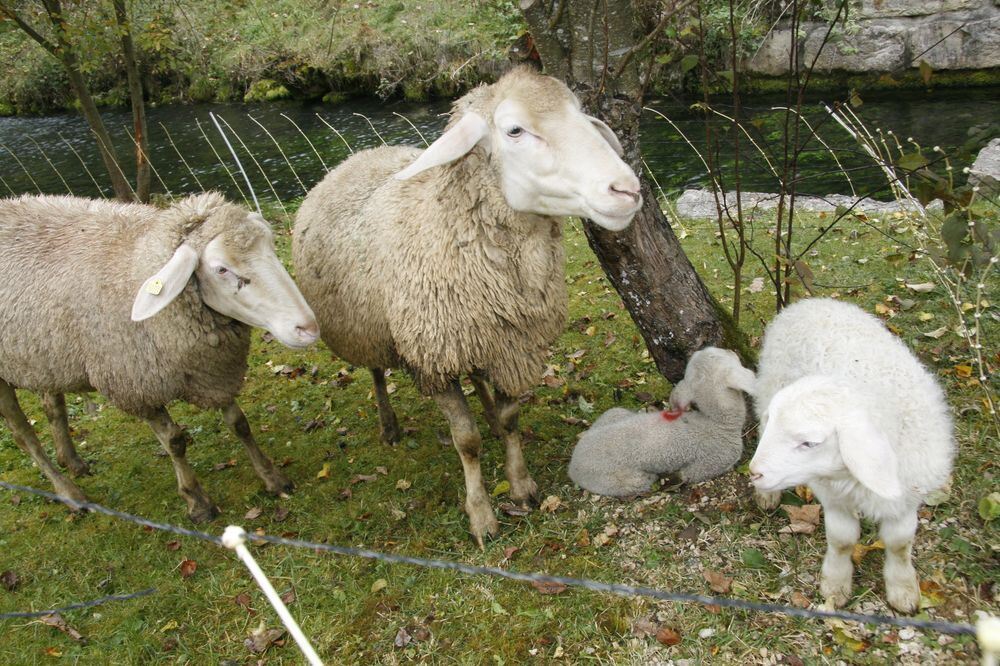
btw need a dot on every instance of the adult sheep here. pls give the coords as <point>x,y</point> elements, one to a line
<point>80,283</point>
<point>847,409</point>
<point>449,261</point>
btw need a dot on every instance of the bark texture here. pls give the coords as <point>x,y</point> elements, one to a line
<point>142,167</point>
<point>598,48</point>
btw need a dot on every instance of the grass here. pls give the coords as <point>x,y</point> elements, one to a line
<point>667,539</point>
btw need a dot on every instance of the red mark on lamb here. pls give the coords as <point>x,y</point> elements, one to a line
<point>671,415</point>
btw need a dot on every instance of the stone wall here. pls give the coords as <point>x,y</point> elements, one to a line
<point>893,36</point>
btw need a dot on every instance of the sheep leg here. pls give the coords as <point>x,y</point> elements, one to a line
<point>66,455</point>
<point>467,440</point>
<point>901,587</point>
<point>175,440</point>
<point>275,482</point>
<point>485,396</point>
<point>842,531</point>
<point>523,489</point>
<point>389,431</point>
<point>27,440</point>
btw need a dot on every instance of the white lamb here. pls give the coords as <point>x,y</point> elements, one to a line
<point>847,409</point>
<point>624,452</point>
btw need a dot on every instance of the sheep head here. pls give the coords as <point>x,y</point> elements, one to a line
<point>819,428</point>
<point>551,157</point>
<point>231,252</point>
<point>714,381</point>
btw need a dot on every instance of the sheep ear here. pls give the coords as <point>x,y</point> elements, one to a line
<point>608,135</point>
<point>742,379</point>
<point>869,456</point>
<point>158,291</point>
<point>458,140</point>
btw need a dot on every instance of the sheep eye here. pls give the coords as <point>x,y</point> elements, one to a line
<point>515,132</point>
<point>693,406</point>
<point>221,270</point>
<point>808,445</point>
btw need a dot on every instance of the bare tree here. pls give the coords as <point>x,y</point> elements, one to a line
<point>603,50</point>
<point>142,167</point>
<point>58,40</point>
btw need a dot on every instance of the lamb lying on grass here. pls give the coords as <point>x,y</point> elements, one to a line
<point>624,452</point>
<point>847,409</point>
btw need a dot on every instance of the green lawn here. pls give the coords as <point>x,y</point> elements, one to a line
<point>324,418</point>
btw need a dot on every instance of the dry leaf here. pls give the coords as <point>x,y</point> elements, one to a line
<point>324,473</point>
<point>288,598</point>
<point>169,626</point>
<point>718,582</point>
<point>644,628</point>
<point>921,288</point>
<point>358,478</point>
<point>263,638</point>
<point>242,600</point>
<point>403,484</point>
<point>173,545</point>
<point>253,513</point>
<point>188,567</point>
<point>379,585</point>
<point>804,519</point>
<point>756,285</point>
<point>548,587</point>
<point>963,371</point>
<point>403,638</point>
<point>550,504</point>
<point>800,600</point>
<point>56,620</point>
<point>281,513</point>
<point>9,580</point>
<point>512,509</point>
<point>501,488</point>
<point>667,636</point>
<point>860,550</point>
<point>508,552</point>
<point>936,333</point>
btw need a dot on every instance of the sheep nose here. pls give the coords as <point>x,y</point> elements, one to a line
<point>755,476</point>
<point>308,333</point>
<point>625,187</point>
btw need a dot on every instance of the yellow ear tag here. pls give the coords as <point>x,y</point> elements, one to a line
<point>154,287</point>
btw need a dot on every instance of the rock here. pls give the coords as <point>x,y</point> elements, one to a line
<point>957,44</point>
<point>987,164</point>
<point>700,204</point>
<point>896,8</point>
<point>878,46</point>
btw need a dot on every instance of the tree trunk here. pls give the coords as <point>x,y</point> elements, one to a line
<point>595,47</point>
<point>142,168</point>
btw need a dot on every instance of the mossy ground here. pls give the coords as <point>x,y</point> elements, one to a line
<point>323,417</point>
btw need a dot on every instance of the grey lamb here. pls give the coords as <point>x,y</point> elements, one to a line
<point>144,305</point>
<point>624,452</point>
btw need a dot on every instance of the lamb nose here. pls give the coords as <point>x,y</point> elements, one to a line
<point>308,332</point>
<point>625,188</point>
<point>754,476</point>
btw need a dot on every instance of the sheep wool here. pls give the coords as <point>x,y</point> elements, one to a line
<point>68,273</point>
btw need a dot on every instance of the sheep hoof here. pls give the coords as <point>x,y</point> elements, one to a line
<point>485,524</point>
<point>836,593</point>
<point>767,501</point>
<point>390,435</point>
<point>524,493</point>
<point>76,467</point>
<point>278,484</point>
<point>904,597</point>
<point>70,491</point>
<point>203,513</point>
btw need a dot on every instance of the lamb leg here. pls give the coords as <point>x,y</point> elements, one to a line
<point>275,482</point>
<point>173,438</point>
<point>389,431</point>
<point>55,410</point>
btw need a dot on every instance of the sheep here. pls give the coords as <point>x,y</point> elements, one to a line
<point>449,261</point>
<point>847,409</point>
<point>80,283</point>
<point>624,452</point>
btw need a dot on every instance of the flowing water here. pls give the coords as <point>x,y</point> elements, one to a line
<point>56,154</point>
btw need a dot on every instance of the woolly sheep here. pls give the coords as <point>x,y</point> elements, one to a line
<point>624,452</point>
<point>449,261</point>
<point>80,283</point>
<point>846,408</point>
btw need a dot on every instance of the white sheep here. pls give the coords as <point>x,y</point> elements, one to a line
<point>624,452</point>
<point>847,409</point>
<point>449,261</point>
<point>80,283</point>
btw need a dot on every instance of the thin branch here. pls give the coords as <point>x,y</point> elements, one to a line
<point>627,58</point>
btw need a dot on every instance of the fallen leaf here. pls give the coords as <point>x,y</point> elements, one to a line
<point>584,538</point>
<point>800,600</point>
<point>849,641</point>
<point>379,585</point>
<point>550,504</point>
<point>9,580</point>
<point>174,545</point>
<point>756,285</point>
<point>253,513</point>
<point>403,484</point>
<point>15,500</point>
<point>288,598</point>
<point>717,582</point>
<point>585,407</point>
<point>667,636</point>
<point>921,288</point>
<point>804,519</point>
<point>963,371</point>
<point>281,513</point>
<point>936,333</point>
<point>169,626</point>
<point>397,514</point>
<point>501,488</point>
<point>324,473</point>
<point>56,620</point>
<point>931,594</point>
<point>860,550</point>
<point>753,558</point>
<point>939,495</point>
<point>188,567</point>
<point>223,465</point>
<point>403,638</point>
<point>644,628</point>
<point>359,478</point>
<point>508,552</point>
<point>552,381</point>
<point>548,587</point>
<point>591,330</point>
<point>925,316</point>
<point>989,507</point>
<point>242,600</point>
<point>382,470</point>
<point>512,509</point>
<point>53,652</point>
<point>262,638</point>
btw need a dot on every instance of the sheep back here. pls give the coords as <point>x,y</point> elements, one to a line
<point>69,271</point>
<point>435,273</point>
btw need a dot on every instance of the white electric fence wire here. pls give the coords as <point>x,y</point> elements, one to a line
<point>234,538</point>
<point>238,163</point>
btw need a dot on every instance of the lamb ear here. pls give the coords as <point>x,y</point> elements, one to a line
<point>458,140</point>
<point>608,135</point>
<point>158,291</point>
<point>869,456</point>
<point>742,379</point>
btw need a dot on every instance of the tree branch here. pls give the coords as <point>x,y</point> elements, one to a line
<point>28,29</point>
<point>627,58</point>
